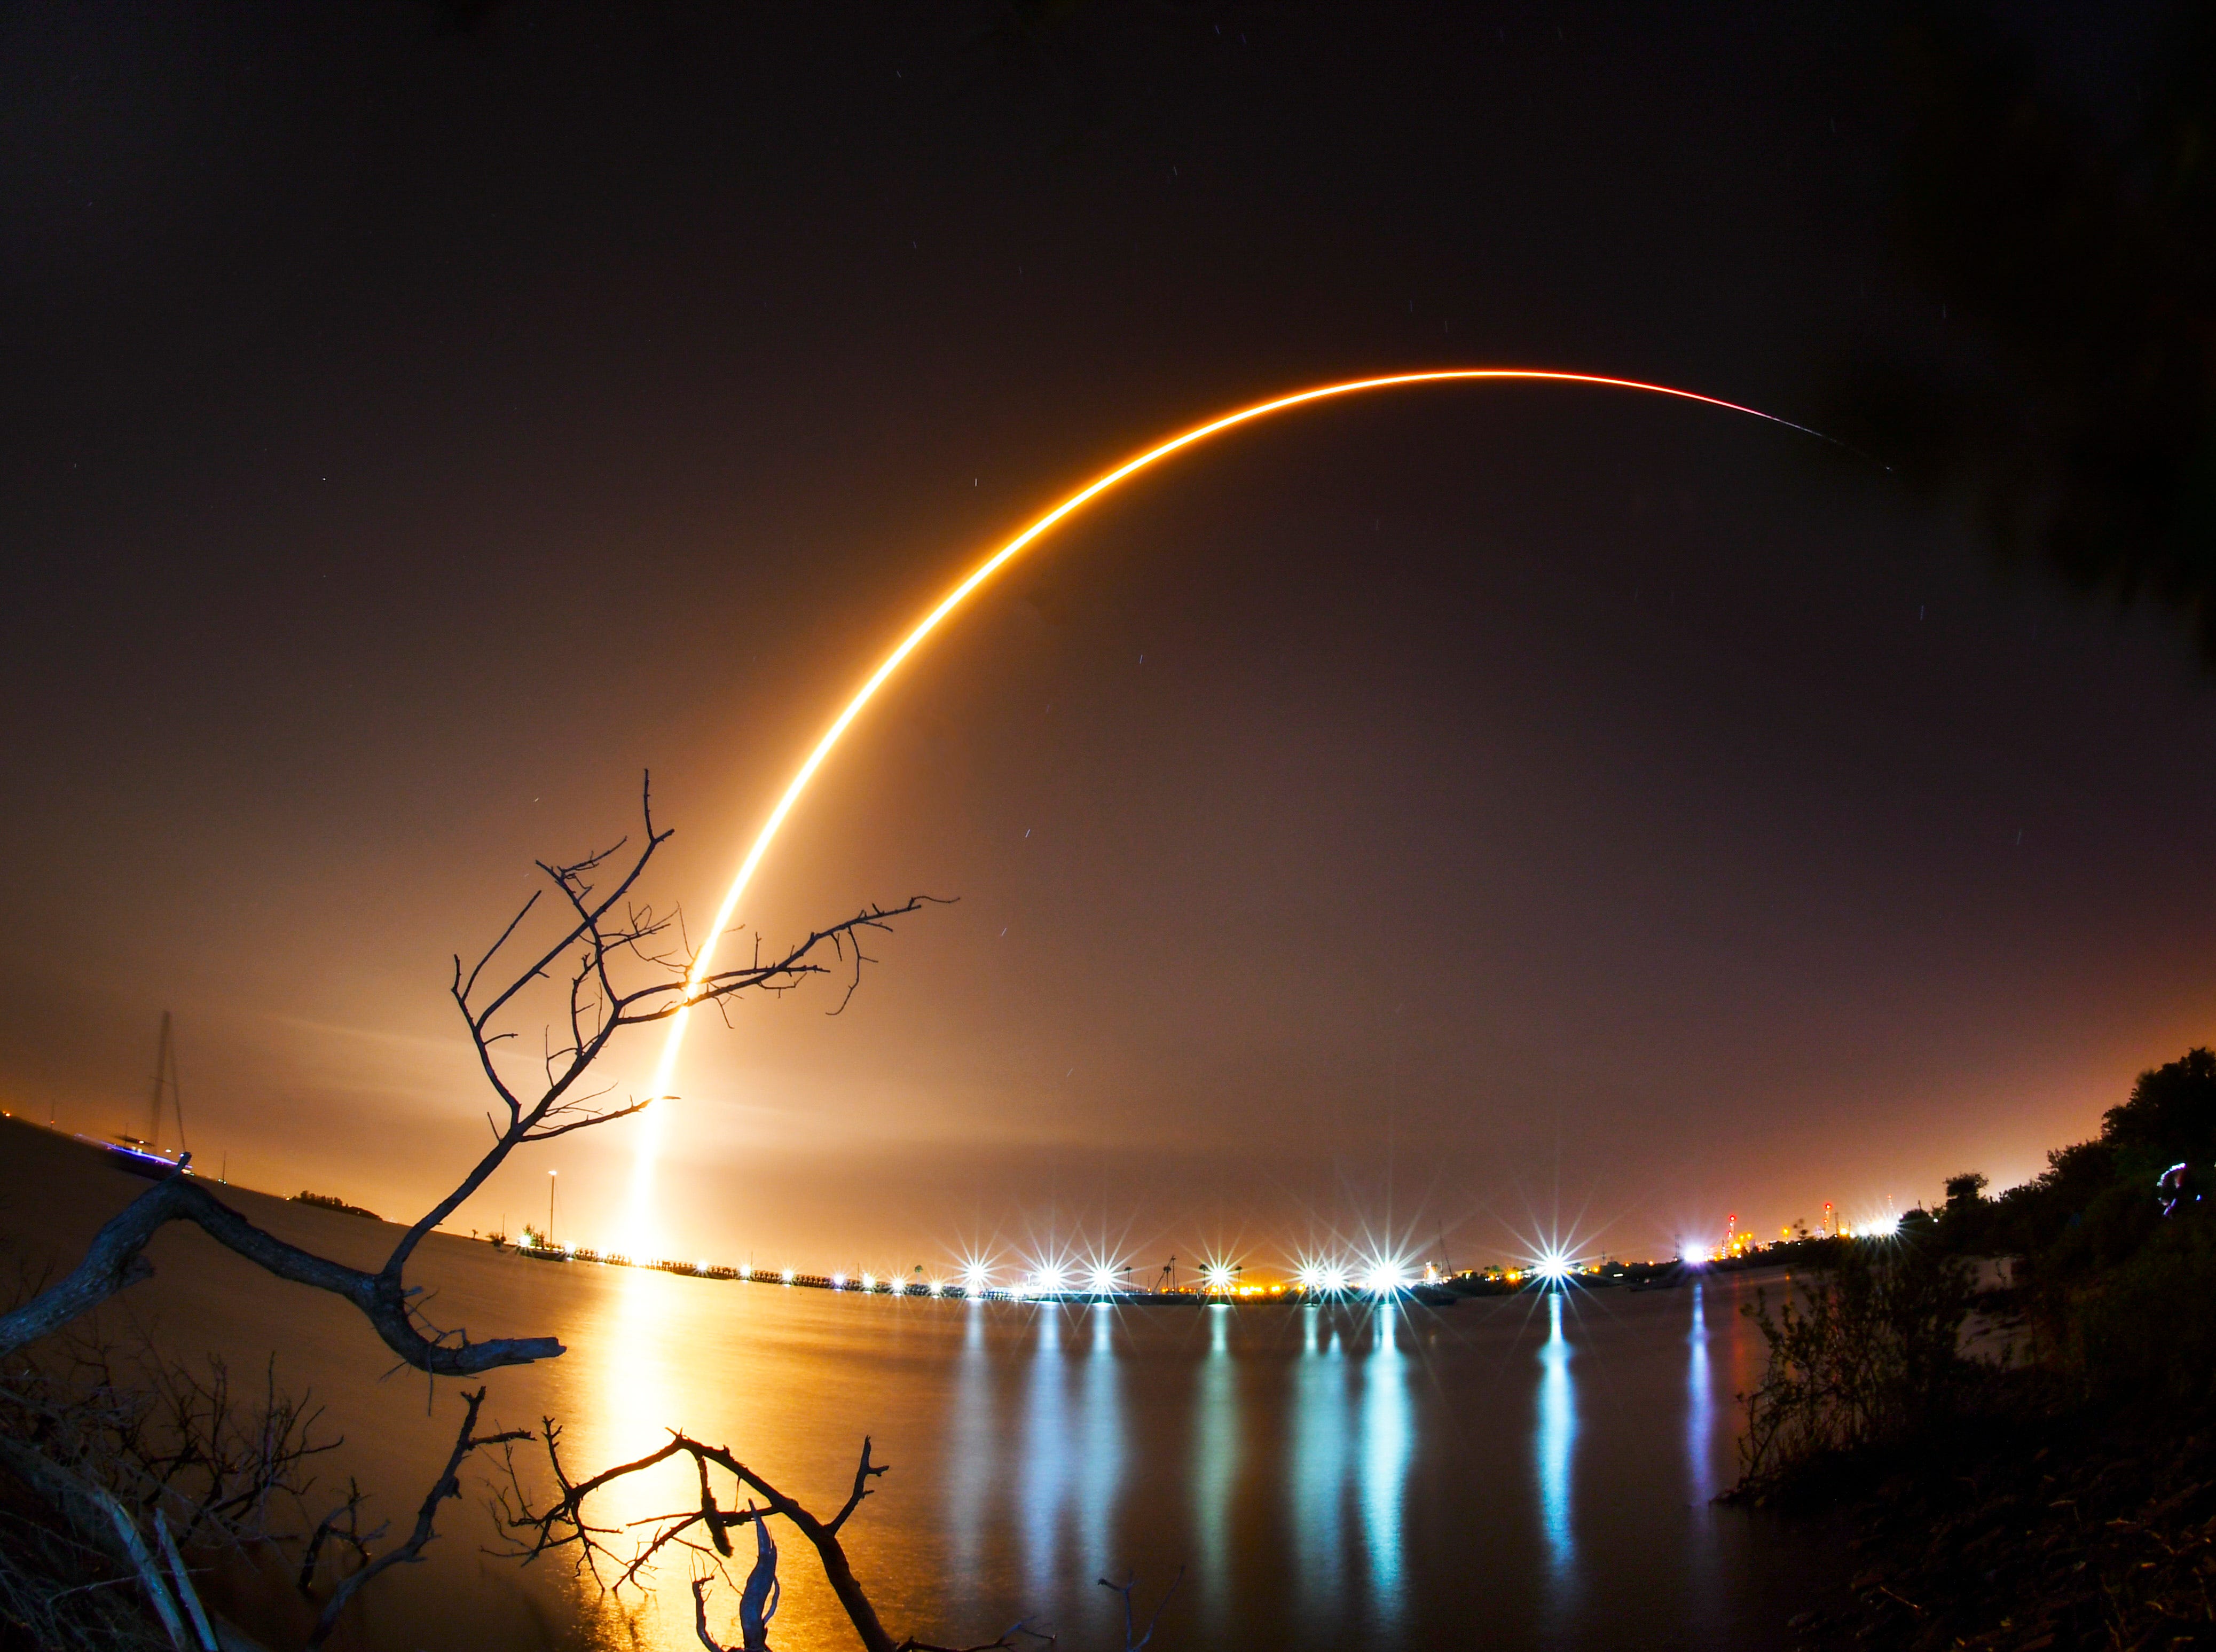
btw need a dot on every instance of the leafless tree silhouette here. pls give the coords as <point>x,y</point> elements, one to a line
<point>563,1522</point>
<point>448,1484</point>
<point>612,963</point>
<point>607,937</point>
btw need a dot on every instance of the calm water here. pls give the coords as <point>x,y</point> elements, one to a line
<point>1523,1471</point>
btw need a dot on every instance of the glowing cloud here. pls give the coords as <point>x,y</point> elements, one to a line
<point>665,1070</point>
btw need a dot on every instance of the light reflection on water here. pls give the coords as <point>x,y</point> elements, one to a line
<point>635,1406</point>
<point>1327,1475</point>
<point>1045,1487</point>
<point>1073,1445</point>
<point>1317,1464</point>
<point>1214,1465</point>
<point>1702,1443</point>
<point>970,1465</point>
<point>1100,1436</point>
<point>1555,1439</point>
<point>1700,1403</point>
<point>1514,1473</point>
<point>1387,1437</point>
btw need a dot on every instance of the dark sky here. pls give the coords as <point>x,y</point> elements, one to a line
<point>1424,816</point>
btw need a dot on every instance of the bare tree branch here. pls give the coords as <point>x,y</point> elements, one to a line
<point>1007,1639</point>
<point>603,923</point>
<point>611,969</point>
<point>449,1484</point>
<point>328,1529</point>
<point>1124,1588</point>
<point>114,1261</point>
<point>564,1524</point>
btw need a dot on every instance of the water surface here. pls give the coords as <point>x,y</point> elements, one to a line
<point>1524,1471</point>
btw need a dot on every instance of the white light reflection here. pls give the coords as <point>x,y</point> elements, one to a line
<point>1100,1436</point>
<point>1318,1470</point>
<point>1699,1405</point>
<point>1701,1559</point>
<point>1387,1445</point>
<point>1557,1435</point>
<point>1043,1487</point>
<point>975,1440</point>
<point>1215,1468</point>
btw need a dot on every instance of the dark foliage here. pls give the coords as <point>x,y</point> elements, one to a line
<point>2032,1536</point>
<point>2096,1204</point>
<point>2075,397</point>
<point>1862,1359</point>
<point>2071,1501</point>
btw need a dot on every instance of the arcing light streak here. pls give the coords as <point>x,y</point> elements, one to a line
<point>665,1071</point>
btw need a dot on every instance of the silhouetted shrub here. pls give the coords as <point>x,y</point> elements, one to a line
<point>2146,1329</point>
<point>1865,1357</point>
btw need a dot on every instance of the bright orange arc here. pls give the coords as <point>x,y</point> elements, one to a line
<point>665,1070</point>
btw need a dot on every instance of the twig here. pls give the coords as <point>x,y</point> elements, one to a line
<point>448,1485</point>
<point>564,1524</point>
<point>1124,1589</point>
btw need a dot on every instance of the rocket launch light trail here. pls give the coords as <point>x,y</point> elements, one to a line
<point>665,1070</point>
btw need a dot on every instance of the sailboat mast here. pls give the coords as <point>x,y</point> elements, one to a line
<point>165,1078</point>
<point>161,1070</point>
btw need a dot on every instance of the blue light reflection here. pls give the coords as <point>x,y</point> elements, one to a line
<point>1215,1463</point>
<point>1699,1405</point>
<point>1385,1447</point>
<point>1046,1456</point>
<point>1100,1437</point>
<point>1557,1437</point>
<point>1319,1467</point>
<point>972,1431</point>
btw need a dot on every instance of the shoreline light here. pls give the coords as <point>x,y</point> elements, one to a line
<point>703,962</point>
<point>1385,1278</point>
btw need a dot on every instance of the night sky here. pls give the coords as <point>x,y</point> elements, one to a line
<point>1438,816</point>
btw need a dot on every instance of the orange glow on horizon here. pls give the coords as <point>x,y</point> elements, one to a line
<point>650,1130</point>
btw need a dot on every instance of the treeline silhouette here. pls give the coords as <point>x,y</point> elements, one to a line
<point>2030,1458</point>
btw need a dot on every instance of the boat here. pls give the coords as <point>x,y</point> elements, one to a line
<point>135,1158</point>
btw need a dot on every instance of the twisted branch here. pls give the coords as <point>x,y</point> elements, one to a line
<point>564,1524</point>
<point>604,926</point>
<point>448,1484</point>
